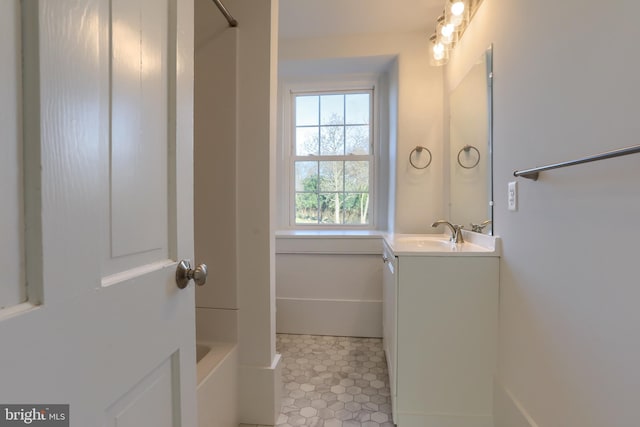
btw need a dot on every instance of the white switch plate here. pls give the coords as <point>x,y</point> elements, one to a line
<point>512,197</point>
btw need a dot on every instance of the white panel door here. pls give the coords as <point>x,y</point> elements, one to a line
<point>100,208</point>
<point>12,284</point>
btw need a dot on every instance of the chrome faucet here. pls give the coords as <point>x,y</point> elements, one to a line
<point>479,228</point>
<point>456,230</point>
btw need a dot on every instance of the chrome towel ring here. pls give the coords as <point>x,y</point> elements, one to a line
<point>466,149</point>
<point>418,150</point>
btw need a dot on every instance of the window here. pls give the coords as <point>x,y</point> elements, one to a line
<point>332,161</point>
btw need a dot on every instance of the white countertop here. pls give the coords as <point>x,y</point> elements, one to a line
<point>475,244</point>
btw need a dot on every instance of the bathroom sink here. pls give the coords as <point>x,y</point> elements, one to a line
<point>425,241</point>
<point>440,245</point>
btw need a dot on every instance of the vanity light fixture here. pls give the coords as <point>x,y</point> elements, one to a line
<point>449,28</point>
<point>439,53</point>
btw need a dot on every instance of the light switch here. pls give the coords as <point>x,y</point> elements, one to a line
<point>512,198</point>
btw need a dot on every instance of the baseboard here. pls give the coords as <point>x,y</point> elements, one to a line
<point>260,393</point>
<point>354,318</point>
<point>509,411</point>
<point>444,420</point>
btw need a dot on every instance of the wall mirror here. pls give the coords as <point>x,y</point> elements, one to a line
<point>470,142</point>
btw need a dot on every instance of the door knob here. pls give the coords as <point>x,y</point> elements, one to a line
<point>184,273</point>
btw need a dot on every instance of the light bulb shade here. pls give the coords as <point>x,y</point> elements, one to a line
<point>447,33</point>
<point>438,51</point>
<point>456,12</point>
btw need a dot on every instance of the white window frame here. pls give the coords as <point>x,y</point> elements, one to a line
<point>289,157</point>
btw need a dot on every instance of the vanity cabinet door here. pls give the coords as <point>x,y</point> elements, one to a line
<point>389,318</point>
<point>447,324</point>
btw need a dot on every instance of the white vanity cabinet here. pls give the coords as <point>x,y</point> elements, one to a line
<point>389,320</point>
<point>440,337</point>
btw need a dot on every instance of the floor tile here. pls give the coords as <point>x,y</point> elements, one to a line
<point>333,382</point>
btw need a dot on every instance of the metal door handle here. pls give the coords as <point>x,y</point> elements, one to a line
<point>184,273</point>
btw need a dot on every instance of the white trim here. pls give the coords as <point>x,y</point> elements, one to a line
<point>333,90</point>
<point>352,318</point>
<point>260,392</point>
<point>408,419</point>
<point>16,310</point>
<point>354,242</point>
<point>336,83</point>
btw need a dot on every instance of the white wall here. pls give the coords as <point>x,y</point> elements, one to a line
<point>238,180</point>
<point>12,260</point>
<point>257,74</point>
<point>566,86</point>
<point>418,194</point>
<point>392,79</point>
<point>333,74</point>
<point>215,140</point>
<point>410,114</point>
<point>338,275</point>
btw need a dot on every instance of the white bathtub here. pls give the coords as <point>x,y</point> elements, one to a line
<point>217,391</point>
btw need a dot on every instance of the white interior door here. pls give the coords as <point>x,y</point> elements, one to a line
<point>97,209</point>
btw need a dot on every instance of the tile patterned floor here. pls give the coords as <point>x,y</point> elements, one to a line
<point>333,382</point>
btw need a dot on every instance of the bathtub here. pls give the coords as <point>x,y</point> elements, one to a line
<point>217,390</point>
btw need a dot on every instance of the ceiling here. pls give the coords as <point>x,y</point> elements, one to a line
<point>322,18</point>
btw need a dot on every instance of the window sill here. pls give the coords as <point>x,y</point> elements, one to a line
<point>362,242</point>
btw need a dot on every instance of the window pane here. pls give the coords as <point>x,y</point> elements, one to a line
<point>356,176</point>
<point>307,110</point>
<point>332,140</point>
<point>357,140</point>
<point>306,208</point>
<point>332,109</point>
<point>331,176</point>
<point>331,208</point>
<point>357,109</point>
<point>356,208</point>
<point>307,141</point>
<point>335,190</point>
<point>307,176</point>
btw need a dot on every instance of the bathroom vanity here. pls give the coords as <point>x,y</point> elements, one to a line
<point>440,326</point>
